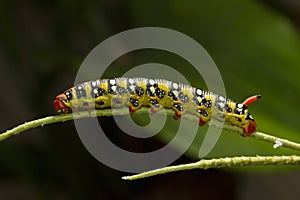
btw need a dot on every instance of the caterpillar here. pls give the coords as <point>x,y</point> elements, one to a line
<point>156,94</point>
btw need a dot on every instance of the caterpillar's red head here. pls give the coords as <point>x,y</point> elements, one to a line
<point>61,104</point>
<point>251,125</point>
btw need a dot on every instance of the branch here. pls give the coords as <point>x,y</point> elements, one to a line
<point>108,112</point>
<point>202,164</point>
<point>222,162</point>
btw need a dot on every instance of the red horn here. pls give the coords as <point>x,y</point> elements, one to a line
<point>251,99</point>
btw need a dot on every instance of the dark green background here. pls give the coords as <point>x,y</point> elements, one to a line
<point>255,45</point>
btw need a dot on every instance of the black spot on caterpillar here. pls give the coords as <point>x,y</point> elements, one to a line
<point>156,94</point>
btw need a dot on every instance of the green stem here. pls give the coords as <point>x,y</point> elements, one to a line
<point>202,164</point>
<point>222,162</point>
<point>108,112</point>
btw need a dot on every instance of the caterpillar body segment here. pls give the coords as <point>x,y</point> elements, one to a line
<point>156,94</point>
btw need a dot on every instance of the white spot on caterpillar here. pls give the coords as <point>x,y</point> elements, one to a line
<point>175,93</point>
<point>151,82</point>
<point>114,88</point>
<point>152,89</point>
<point>199,99</point>
<point>221,105</point>
<point>112,81</point>
<point>221,98</point>
<point>239,109</point>
<point>175,86</point>
<point>131,81</point>
<point>240,105</point>
<point>95,91</point>
<point>132,88</point>
<point>94,83</point>
<point>199,92</point>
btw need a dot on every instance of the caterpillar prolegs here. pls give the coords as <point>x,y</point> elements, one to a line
<point>156,94</point>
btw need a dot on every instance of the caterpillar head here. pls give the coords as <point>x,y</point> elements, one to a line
<point>61,104</point>
<point>242,118</point>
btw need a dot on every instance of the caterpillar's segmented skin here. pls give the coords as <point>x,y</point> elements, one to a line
<point>157,94</point>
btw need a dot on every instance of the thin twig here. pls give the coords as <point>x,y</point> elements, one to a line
<point>123,111</point>
<point>202,164</point>
<point>222,162</point>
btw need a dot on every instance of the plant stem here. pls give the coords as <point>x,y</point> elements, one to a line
<point>108,112</point>
<point>221,162</point>
<point>202,164</point>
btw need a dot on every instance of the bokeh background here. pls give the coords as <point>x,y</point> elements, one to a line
<point>255,44</point>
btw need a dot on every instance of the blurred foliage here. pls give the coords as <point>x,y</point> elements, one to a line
<point>42,44</point>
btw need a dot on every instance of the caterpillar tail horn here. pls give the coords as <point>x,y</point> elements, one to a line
<point>251,99</point>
